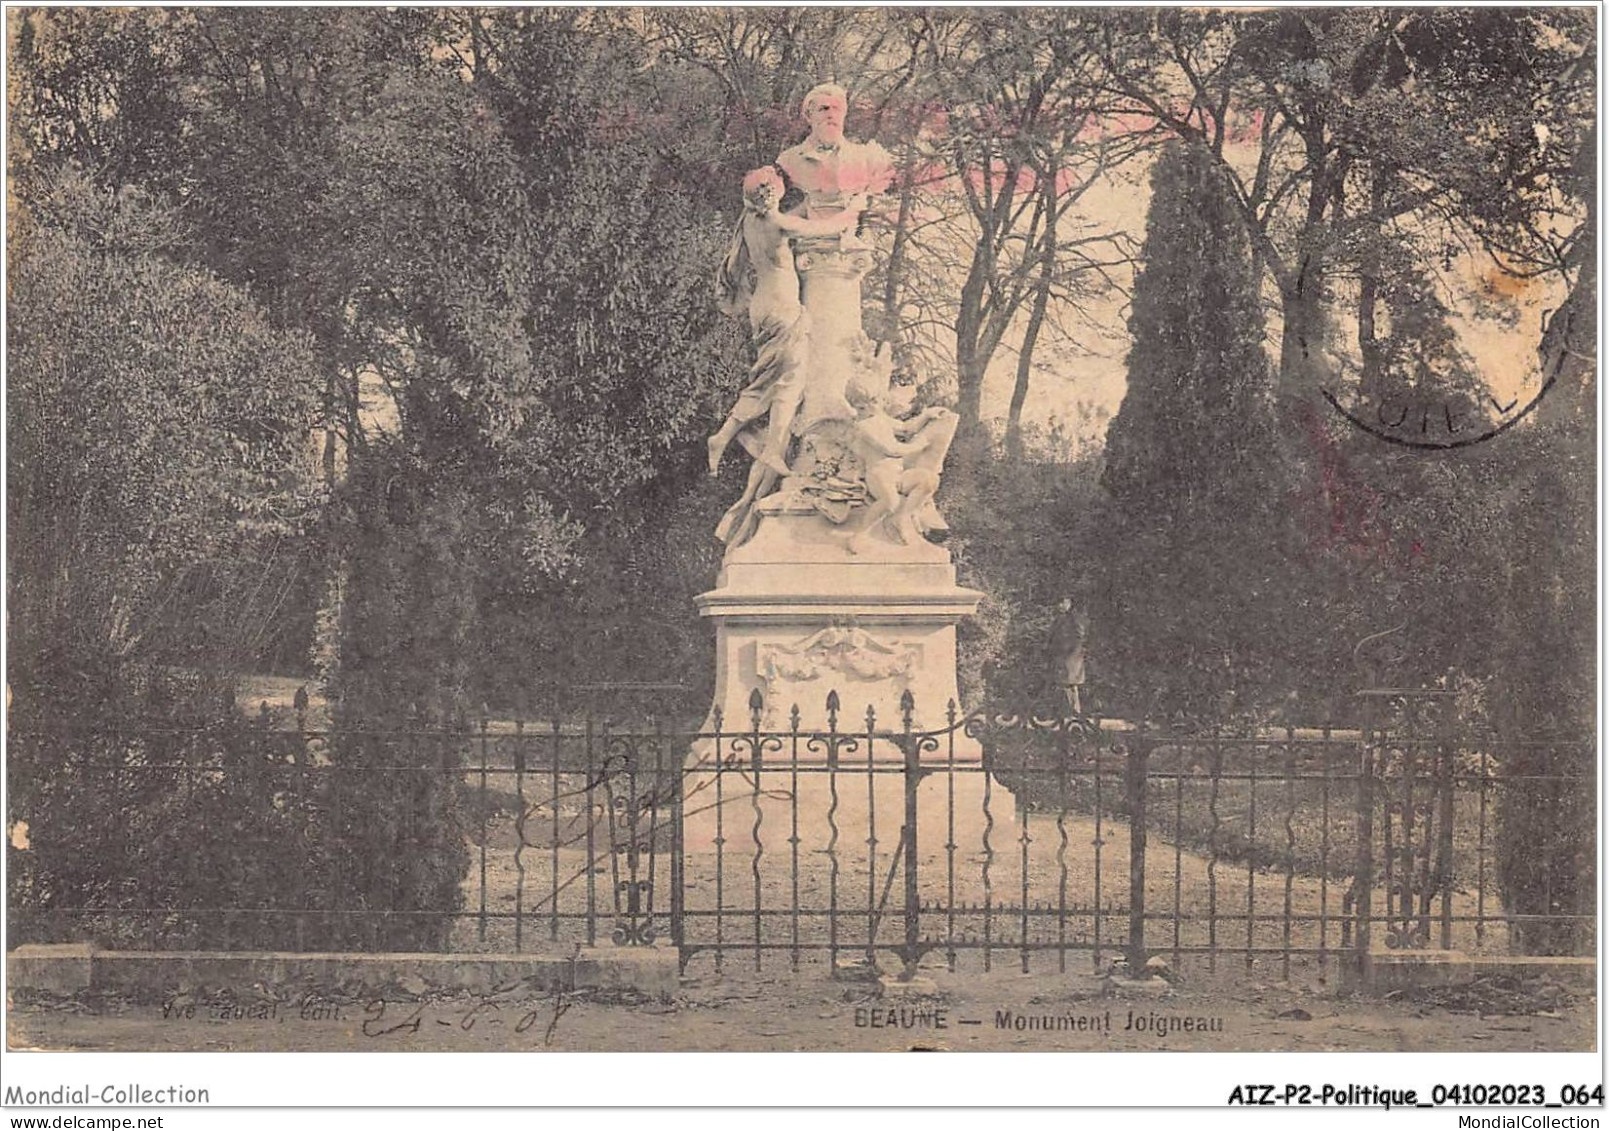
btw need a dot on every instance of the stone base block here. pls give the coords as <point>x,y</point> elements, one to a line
<point>53,968</point>
<point>896,987</point>
<point>854,969</point>
<point>850,813</point>
<point>1386,971</point>
<point>651,970</point>
<point>798,616</point>
<point>1136,987</point>
<point>774,868</point>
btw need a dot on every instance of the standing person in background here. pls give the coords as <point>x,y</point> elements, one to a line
<point>1068,636</point>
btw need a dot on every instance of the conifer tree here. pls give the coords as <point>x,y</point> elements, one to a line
<point>1187,587</point>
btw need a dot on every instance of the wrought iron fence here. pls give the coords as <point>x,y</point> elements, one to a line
<point>990,839</point>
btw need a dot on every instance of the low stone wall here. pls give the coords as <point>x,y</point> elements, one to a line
<point>73,968</point>
<point>1387,971</point>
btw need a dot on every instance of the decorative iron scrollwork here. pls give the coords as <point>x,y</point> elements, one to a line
<point>634,920</point>
<point>1407,935</point>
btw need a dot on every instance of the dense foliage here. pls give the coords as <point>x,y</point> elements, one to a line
<point>157,423</point>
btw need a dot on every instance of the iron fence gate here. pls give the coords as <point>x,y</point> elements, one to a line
<point>989,839</point>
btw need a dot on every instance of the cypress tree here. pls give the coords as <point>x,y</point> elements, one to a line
<point>398,691</point>
<point>1189,562</point>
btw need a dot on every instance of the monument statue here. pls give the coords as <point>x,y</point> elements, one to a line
<point>835,175</point>
<point>901,460</point>
<point>817,378</point>
<point>830,581</point>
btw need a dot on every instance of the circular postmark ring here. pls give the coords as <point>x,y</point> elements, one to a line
<point>1380,431</point>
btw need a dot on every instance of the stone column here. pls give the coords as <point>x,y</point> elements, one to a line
<point>831,291</point>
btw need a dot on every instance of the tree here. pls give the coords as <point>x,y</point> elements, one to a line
<point>1547,818</point>
<point>998,147</point>
<point>1374,159</point>
<point>157,450</point>
<point>157,468</point>
<point>1374,156</point>
<point>1054,493</point>
<point>527,278</point>
<point>1189,598</point>
<point>399,692</point>
<point>492,246</point>
<point>1424,126</point>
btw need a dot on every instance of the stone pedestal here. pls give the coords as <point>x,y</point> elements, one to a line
<point>843,810</point>
<point>797,615</point>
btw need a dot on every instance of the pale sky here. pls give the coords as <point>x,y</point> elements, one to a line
<point>1069,386</point>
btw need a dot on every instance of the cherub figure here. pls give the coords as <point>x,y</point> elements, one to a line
<point>902,460</point>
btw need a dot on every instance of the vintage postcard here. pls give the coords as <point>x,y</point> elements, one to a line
<point>804,529</point>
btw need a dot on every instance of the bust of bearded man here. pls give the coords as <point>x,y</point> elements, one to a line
<point>827,167</point>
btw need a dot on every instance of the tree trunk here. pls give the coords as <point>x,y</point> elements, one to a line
<point>894,275</point>
<point>1301,355</point>
<point>1302,342</point>
<point>1025,357</point>
<point>969,402</point>
<point>1369,293</point>
<point>328,460</point>
<point>1030,336</point>
<point>970,361</point>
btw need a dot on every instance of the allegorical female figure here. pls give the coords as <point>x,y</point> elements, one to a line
<point>759,275</point>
